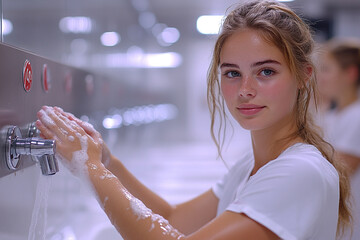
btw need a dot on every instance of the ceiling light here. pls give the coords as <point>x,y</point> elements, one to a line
<point>209,24</point>
<point>110,39</point>
<point>7,27</point>
<point>111,122</point>
<point>141,60</point>
<point>75,25</point>
<point>170,35</point>
<point>163,60</point>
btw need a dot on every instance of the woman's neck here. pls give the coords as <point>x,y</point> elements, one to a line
<point>269,143</point>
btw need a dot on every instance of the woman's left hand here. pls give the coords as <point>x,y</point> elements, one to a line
<point>77,149</point>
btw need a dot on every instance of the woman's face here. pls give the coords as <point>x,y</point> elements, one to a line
<point>256,82</point>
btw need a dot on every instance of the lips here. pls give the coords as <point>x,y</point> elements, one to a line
<point>250,109</point>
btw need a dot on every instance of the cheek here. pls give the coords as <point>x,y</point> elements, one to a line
<point>227,90</point>
<point>283,95</point>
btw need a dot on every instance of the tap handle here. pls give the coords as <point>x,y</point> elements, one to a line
<point>34,146</point>
<point>32,130</point>
<point>41,150</point>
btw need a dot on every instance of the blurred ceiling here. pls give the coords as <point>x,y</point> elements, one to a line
<point>36,22</point>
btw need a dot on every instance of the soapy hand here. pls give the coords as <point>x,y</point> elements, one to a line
<point>90,130</point>
<point>76,147</point>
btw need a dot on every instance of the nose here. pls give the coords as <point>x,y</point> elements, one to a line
<point>246,88</point>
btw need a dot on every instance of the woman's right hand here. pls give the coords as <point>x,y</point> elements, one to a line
<point>77,149</point>
<point>90,130</point>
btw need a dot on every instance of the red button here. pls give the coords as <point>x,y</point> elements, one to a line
<point>27,75</point>
<point>45,78</point>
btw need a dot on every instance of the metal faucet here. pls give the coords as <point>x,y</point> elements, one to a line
<point>41,150</point>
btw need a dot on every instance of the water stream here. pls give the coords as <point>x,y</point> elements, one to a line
<point>39,215</point>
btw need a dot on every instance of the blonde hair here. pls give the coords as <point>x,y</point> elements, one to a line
<point>280,26</point>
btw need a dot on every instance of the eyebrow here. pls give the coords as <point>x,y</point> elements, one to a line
<point>265,62</point>
<point>271,61</point>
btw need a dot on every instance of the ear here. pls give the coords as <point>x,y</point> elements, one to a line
<point>352,73</point>
<point>308,69</point>
<point>309,72</point>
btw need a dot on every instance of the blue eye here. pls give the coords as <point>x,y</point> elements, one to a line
<point>267,72</point>
<point>232,74</point>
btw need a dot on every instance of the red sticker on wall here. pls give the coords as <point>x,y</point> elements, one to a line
<point>27,76</point>
<point>45,78</point>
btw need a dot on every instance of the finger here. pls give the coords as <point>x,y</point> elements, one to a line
<point>75,130</point>
<point>53,123</point>
<point>45,132</point>
<point>65,116</point>
<point>89,129</point>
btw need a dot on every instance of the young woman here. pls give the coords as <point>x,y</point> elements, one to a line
<point>339,80</point>
<point>288,187</point>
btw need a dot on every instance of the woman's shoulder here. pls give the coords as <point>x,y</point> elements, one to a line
<point>306,159</point>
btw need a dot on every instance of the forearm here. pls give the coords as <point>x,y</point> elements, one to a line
<point>139,190</point>
<point>130,217</point>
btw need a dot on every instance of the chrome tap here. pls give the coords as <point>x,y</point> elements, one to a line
<point>41,150</point>
<point>48,162</point>
<point>34,146</point>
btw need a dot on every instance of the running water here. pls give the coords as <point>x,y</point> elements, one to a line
<point>39,214</point>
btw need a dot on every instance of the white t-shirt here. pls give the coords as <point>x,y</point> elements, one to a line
<point>296,195</point>
<point>342,130</point>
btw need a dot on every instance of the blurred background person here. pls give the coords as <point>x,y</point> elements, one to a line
<point>339,80</point>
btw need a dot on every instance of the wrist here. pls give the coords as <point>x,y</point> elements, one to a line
<point>95,166</point>
<point>107,161</point>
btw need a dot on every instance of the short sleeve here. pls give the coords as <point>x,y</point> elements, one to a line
<point>225,189</point>
<point>286,196</point>
<point>218,187</point>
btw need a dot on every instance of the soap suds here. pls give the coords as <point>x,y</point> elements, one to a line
<point>139,208</point>
<point>50,111</point>
<point>63,131</point>
<point>107,175</point>
<point>92,166</point>
<point>77,165</point>
<point>71,138</point>
<point>45,118</point>
<point>142,212</point>
<point>73,124</point>
<point>80,157</point>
